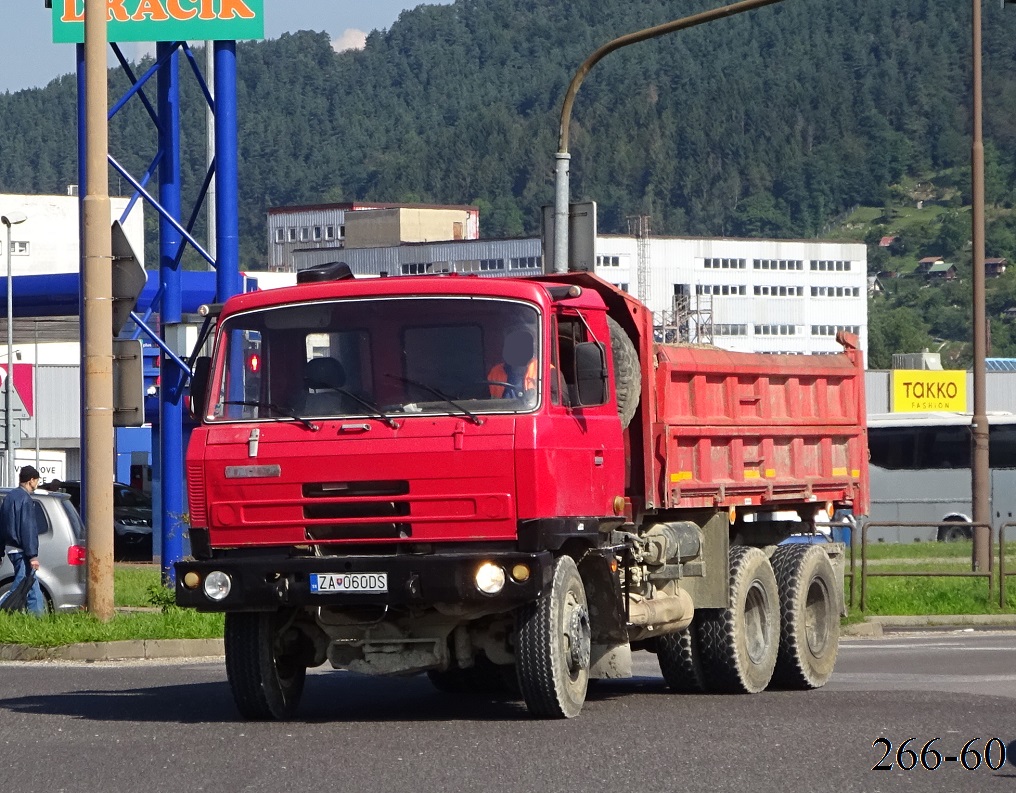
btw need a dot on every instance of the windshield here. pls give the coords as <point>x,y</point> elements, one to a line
<point>380,358</point>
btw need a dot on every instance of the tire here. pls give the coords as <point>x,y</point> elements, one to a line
<point>627,372</point>
<point>680,658</point>
<point>553,644</point>
<point>266,683</point>
<point>954,531</point>
<point>809,617</point>
<point>739,644</point>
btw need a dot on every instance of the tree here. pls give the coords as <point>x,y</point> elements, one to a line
<point>893,330</point>
<point>953,233</point>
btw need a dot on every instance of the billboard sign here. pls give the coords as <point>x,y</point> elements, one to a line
<point>919,390</point>
<point>164,20</point>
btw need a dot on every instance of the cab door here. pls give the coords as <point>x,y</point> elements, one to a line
<point>578,450</point>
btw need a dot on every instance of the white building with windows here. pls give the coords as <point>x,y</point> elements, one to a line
<point>750,295</point>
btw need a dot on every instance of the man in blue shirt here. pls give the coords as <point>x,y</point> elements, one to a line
<point>19,532</point>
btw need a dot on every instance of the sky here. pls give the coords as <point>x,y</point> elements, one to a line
<point>29,59</point>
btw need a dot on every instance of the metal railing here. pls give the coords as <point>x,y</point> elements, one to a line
<point>1002,572</point>
<point>866,574</point>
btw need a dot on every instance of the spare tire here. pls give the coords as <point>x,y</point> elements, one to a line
<point>627,372</point>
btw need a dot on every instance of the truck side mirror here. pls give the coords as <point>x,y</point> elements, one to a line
<point>591,372</point>
<point>199,386</point>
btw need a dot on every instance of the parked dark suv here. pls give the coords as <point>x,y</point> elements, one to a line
<point>132,518</point>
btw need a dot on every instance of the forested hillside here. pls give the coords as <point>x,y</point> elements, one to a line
<point>776,122</point>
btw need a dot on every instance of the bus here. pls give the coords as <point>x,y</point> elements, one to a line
<point>920,473</point>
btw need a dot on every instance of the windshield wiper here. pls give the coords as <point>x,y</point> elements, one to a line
<point>287,412</point>
<point>367,404</point>
<point>439,394</point>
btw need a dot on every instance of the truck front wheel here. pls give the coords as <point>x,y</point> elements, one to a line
<point>553,644</point>
<point>265,668</point>
<point>739,644</point>
<point>809,617</point>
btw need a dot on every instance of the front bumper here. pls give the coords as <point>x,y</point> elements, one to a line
<point>261,583</point>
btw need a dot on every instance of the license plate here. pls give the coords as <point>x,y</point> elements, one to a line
<point>326,583</point>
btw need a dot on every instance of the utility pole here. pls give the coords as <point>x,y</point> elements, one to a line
<point>980,474</point>
<point>97,294</point>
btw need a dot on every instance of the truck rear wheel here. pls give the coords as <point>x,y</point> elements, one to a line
<point>740,643</point>
<point>680,660</point>
<point>265,675</point>
<point>809,617</point>
<point>627,372</point>
<point>553,644</point>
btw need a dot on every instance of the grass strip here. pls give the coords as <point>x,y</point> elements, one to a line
<point>55,630</point>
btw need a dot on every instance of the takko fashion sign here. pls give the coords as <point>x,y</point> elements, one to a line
<point>917,391</point>
<point>164,20</point>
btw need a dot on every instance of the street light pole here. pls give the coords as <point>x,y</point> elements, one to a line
<point>563,157</point>
<point>10,219</point>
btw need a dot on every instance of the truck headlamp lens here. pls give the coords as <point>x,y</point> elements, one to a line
<point>217,585</point>
<point>490,578</point>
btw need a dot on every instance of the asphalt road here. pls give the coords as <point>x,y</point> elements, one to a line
<point>157,726</point>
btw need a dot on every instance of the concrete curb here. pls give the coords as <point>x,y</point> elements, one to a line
<point>875,627</point>
<point>862,630</point>
<point>116,651</point>
<point>150,649</point>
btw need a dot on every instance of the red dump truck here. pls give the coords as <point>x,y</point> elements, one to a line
<point>508,485</point>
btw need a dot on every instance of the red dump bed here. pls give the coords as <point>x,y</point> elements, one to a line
<point>734,429</point>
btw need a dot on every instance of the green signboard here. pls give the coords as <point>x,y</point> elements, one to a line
<point>164,20</point>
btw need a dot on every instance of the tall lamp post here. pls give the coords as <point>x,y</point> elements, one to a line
<point>563,157</point>
<point>10,219</point>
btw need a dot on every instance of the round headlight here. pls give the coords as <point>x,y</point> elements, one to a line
<point>217,585</point>
<point>490,578</point>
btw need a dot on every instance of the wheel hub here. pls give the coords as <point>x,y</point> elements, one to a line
<point>577,634</point>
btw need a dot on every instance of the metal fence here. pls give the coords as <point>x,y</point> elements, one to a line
<point>865,573</point>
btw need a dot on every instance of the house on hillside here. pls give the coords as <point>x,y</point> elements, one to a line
<point>994,267</point>
<point>925,264</point>
<point>886,241</point>
<point>942,271</point>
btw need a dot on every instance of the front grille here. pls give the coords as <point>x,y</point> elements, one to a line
<point>397,487</point>
<point>349,503</point>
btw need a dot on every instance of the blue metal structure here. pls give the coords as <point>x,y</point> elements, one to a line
<point>174,235</point>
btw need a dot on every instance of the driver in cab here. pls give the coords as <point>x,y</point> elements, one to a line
<point>517,372</point>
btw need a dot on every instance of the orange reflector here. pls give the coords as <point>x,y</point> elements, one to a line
<point>520,572</point>
<point>829,509</point>
<point>732,513</point>
<point>613,565</point>
<point>191,580</point>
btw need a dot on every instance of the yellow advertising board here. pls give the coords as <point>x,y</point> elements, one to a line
<point>916,390</point>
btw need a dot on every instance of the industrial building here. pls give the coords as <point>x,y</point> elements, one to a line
<point>773,296</point>
<point>362,224</point>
